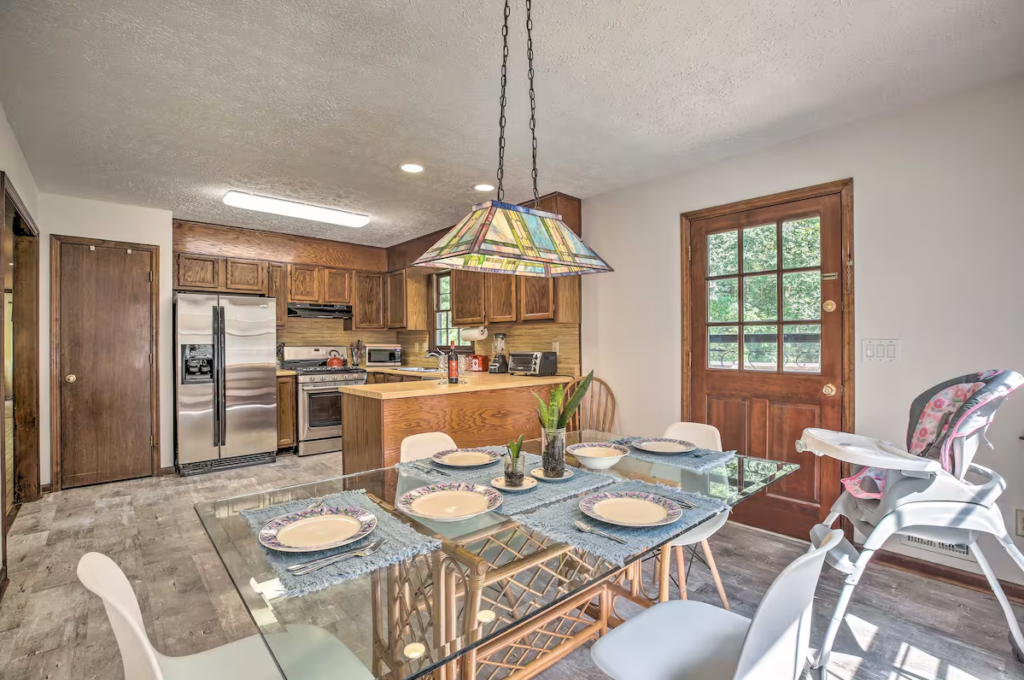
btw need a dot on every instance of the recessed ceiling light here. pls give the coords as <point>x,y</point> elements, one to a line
<point>303,211</point>
<point>484,187</point>
<point>412,167</point>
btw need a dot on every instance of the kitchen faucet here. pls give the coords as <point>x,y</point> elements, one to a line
<point>442,360</point>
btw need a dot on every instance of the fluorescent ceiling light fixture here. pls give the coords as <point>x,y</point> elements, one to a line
<point>411,167</point>
<point>302,211</point>
<point>484,187</point>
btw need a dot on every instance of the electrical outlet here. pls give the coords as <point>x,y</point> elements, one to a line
<point>1020,523</point>
<point>554,347</point>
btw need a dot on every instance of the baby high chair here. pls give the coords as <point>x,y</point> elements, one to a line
<point>924,492</point>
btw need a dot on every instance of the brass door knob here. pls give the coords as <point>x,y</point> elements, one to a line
<point>828,390</point>
<point>70,377</point>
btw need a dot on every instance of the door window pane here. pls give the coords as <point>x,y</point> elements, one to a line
<point>801,295</point>
<point>759,254</point>
<point>723,300</point>
<point>760,348</point>
<point>723,253</point>
<point>801,243</point>
<point>801,348</point>
<point>761,298</point>
<point>724,347</point>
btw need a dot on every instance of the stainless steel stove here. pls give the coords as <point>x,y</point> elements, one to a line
<point>320,426</point>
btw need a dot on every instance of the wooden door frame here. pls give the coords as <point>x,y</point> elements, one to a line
<point>842,187</point>
<point>56,449</point>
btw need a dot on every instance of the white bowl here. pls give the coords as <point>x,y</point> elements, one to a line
<point>597,456</point>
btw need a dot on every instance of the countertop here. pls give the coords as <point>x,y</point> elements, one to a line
<point>475,382</point>
<point>283,373</point>
<point>405,372</point>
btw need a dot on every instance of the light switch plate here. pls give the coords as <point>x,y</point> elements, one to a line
<point>880,350</point>
<point>554,347</point>
<point>1020,523</point>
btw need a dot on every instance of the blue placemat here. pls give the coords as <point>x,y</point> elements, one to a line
<point>698,460</point>
<point>515,501</point>
<point>402,543</point>
<point>555,522</point>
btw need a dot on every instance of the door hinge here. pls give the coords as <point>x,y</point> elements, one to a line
<point>689,359</point>
<point>150,358</point>
<point>152,441</point>
<point>151,277</point>
<point>689,253</point>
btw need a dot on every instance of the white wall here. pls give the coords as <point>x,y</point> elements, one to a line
<point>69,216</point>
<point>938,248</point>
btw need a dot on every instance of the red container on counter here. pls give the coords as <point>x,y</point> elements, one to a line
<point>479,362</point>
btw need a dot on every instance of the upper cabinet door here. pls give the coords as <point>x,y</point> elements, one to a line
<point>501,297</point>
<point>303,283</point>
<point>337,286</point>
<point>536,299</point>
<point>277,288</point>
<point>246,276</point>
<point>369,305</point>
<point>196,271</point>
<point>469,293</point>
<point>396,306</point>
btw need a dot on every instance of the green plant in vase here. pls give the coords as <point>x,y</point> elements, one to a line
<point>514,465</point>
<point>554,415</point>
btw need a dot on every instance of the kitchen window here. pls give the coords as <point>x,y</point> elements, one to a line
<point>443,332</point>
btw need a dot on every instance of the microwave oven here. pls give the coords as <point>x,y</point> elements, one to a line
<point>383,355</point>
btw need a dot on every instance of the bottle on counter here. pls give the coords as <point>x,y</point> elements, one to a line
<point>453,366</point>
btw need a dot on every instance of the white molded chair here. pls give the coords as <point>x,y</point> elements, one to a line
<point>306,651</point>
<point>425,445</point>
<point>705,437</point>
<point>680,640</point>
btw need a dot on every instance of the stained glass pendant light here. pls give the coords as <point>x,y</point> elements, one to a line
<point>504,238</point>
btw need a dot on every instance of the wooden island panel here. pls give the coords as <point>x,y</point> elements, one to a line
<point>374,428</point>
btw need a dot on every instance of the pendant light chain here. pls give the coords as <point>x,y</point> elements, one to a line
<point>533,98</point>
<point>501,120</point>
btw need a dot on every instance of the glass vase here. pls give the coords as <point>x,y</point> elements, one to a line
<point>515,470</point>
<point>554,453</point>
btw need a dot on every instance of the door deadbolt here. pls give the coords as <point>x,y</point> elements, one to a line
<point>829,390</point>
<point>70,377</point>
<point>829,306</point>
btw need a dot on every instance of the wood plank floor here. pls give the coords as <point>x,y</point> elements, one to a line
<point>900,627</point>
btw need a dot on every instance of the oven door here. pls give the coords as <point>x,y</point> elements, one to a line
<point>319,411</point>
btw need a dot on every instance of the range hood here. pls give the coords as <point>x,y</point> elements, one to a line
<point>313,310</point>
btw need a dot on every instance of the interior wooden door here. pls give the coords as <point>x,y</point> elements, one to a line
<point>766,358</point>
<point>105,363</point>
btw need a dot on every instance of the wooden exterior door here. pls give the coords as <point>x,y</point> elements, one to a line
<point>104,374</point>
<point>767,346</point>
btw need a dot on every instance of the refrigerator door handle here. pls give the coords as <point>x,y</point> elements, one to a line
<point>217,377</point>
<point>222,395</point>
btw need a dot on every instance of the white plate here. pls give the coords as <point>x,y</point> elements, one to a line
<point>449,501</point>
<point>322,528</point>
<point>631,508</point>
<point>539,474</point>
<point>499,484</point>
<point>662,445</point>
<point>466,458</point>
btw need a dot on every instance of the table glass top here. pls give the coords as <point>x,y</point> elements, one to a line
<point>397,622</point>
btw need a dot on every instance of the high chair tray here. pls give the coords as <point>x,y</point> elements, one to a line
<point>860,450</point>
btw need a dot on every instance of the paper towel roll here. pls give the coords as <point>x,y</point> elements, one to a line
<point>474,334</point>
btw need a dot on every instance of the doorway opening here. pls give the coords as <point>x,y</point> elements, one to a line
<point>767,306</point>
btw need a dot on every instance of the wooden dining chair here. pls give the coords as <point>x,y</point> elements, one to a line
<point>704,437</point>
<point>306,651</point>
<point>596,411</point>
<point>425,445</point>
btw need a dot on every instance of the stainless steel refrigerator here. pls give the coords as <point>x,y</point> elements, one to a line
<point>225,381</point>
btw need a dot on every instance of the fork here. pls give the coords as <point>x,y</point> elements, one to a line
<point>347,551</point>
<point>429,468</point>
<point>328,561</point>
<point>587,529</point>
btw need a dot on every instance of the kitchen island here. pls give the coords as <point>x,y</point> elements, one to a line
<point>488,409</point>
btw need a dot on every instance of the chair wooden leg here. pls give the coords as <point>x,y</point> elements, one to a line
<point>714,572</point>
<point>664,566</point>
<point>681,572</point>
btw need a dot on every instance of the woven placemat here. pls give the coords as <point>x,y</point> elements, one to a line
<point>556,522</point>
<point>402,543</point>
<point>698,460</point>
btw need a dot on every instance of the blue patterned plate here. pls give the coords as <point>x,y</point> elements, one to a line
<point>466,458</point>
<point>317,529</point>
<point>631,508</point>
<point>449,501</point>
<point>663,445</point>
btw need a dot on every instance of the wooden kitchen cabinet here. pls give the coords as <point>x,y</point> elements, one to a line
<point>277,288</point>
<point>245,276</point>
<point>303,283</point>
<point>287,401</point>
<point>406,297</point>
<point>469,298</point>
<point>196,271</point>
<point>536,299</point>
<point>502,292</point>
<point>220,274</point>
<point>337,289</point>
<point>368,309</point>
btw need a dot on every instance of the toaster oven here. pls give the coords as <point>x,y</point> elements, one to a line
<point>533,363</point>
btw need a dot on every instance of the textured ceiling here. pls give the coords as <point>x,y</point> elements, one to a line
<point>170,103</point>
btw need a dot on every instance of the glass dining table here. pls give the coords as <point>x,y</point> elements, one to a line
<point>496,598</point>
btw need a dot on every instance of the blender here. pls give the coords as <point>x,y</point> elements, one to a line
<point>499,364</point>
